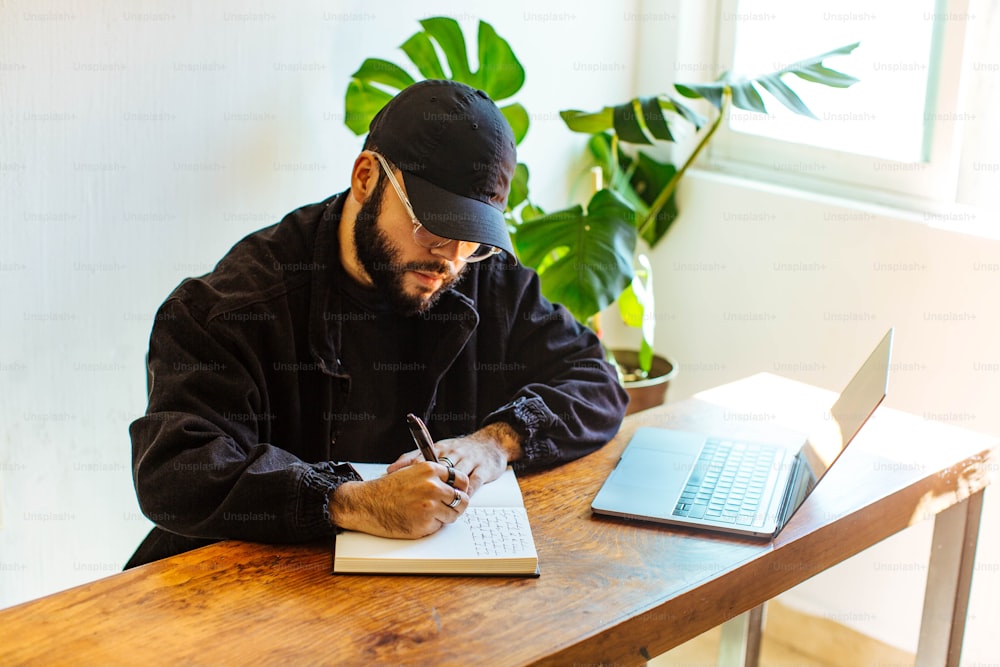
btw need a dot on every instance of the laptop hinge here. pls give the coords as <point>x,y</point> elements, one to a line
<point>800,485</point>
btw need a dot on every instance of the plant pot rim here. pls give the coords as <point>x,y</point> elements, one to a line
<point>658,375</point>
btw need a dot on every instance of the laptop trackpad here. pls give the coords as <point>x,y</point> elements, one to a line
<point>646,483</point>
<point>663,471</point>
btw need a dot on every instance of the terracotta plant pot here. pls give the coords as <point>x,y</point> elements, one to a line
<point>649,391</point>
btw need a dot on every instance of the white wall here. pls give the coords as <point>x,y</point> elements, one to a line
<point>138,142</point>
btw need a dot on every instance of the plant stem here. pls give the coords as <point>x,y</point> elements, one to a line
<point>668,190</point>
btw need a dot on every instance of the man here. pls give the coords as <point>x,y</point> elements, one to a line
<point>312,339</point>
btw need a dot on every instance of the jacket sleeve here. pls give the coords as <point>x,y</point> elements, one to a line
<point>566,400</point>
<point>198,466</point>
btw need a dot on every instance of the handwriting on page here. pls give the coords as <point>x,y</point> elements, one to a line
<point>497,531</point>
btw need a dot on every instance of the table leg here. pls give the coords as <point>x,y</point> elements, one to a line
<point>740,642</point>
<point>949,579</point>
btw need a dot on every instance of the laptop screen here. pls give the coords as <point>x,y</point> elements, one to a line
<point>852,409</point>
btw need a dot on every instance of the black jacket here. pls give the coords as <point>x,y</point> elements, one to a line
<point>245,385</point>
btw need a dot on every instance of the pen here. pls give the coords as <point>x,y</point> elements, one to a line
<point>421,436</point>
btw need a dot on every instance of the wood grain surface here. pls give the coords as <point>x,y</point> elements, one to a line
<point>611,591</point>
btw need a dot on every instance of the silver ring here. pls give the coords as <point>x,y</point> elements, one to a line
<point>445,460</point>
<point>451,477</point>
<point>453,504</point>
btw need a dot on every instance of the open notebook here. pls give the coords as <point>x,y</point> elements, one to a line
<point>492,537</point>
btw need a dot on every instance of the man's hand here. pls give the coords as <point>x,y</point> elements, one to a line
<point>408,502</point>
<point>482,455</point>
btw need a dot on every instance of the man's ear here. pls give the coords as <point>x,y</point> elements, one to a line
<point>364,176</point>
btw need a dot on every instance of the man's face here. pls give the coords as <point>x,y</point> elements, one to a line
<point>407,275</point>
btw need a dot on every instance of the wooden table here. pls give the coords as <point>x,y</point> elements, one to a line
<point>610,591</point>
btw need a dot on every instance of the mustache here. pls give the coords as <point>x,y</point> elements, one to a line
<point>439,268</point>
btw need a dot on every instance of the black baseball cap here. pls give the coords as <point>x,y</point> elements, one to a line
<point>457,155</point>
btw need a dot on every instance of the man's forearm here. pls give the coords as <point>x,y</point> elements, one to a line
<point>343,507</point>
<point>505,437</point>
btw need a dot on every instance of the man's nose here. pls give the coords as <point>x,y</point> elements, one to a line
<point>450,252</point>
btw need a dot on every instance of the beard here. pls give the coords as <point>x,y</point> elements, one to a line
<point>380,258</point>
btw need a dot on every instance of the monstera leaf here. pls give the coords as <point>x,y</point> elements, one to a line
<point>643,120</point>
<point>632,120</point>
<point>500,73</point>
<point>583,257</point>
<point>746,96</point>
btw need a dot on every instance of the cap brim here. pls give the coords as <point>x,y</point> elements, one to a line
<point>456,217</point>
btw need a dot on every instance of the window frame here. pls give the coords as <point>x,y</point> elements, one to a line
<point>921,186</point>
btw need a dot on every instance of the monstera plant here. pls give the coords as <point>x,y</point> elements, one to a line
<point>585,254</point>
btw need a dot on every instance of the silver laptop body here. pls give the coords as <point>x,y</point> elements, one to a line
<point>734,485</point>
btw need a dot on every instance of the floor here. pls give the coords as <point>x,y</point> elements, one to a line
<point>794,639</point>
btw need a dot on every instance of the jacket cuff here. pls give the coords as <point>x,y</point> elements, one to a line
<point>318,482</point>
<point>527,416</point>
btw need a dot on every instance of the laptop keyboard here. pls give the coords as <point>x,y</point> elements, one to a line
<point>727,483</point>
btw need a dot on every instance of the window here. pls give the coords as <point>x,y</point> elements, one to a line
<point>895,136</point>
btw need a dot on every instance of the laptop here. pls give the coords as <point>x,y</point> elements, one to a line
<point>731,485</point>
